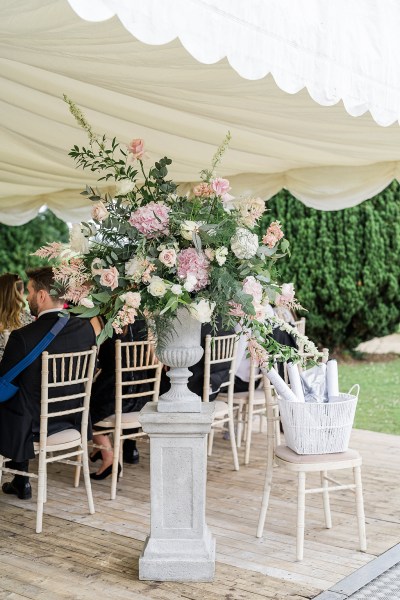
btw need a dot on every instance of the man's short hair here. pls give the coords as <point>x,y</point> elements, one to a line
<point>43,279</point>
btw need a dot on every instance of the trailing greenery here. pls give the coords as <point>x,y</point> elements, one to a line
<point>17,243</point>
<point>344,265</point>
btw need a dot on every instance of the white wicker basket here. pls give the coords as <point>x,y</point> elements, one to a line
<point>319,428</point>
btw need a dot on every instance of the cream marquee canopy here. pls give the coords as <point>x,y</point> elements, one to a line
<point>283,76</point>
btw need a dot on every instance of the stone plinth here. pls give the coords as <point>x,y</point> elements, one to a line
<point>180,546</point>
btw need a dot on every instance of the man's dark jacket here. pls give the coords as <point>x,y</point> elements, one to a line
<point>20,416</point>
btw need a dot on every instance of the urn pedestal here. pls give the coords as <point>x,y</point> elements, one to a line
<point>180,546</point>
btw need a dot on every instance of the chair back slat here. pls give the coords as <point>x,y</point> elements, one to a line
<point>220,349</point>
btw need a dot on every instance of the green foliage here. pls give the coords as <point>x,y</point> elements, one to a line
<point>378,406</point>
<point>18,242</point>
<point>344,265</point>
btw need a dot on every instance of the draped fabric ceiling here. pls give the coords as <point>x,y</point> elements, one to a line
<point>287,78</point>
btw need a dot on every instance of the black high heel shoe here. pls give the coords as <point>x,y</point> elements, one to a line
<point>96,456</point>
<point>106,473</point>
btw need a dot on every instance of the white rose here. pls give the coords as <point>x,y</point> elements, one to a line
<point>190,282</point>
<point>157,287</point>
<point>244,244</point>
<point>77,241</point>
<point>124,186</point>
<point>176,289</point>
<point>99,212</point>
<point>87,302</point>
<point>221,254</point>
<point>188,228</point>
<point>131,299</point>
<point>202,310</point>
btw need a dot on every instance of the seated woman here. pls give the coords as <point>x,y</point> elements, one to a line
<point>102,403</point>
<point>13,314</point>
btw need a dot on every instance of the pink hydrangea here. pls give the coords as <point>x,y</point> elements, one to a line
<point>151,219</point>
<point>273,234</point>
<point>190,262</point>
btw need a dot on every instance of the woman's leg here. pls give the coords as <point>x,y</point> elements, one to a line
<point>107,453</point>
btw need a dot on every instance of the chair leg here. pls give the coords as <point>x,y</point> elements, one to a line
<point>277,426</point>
<point>233,441</point>
<point>41,493</point>
<point>249,431</point>
<point>1,467</point>
<point>116,459</point>
<point>78,471</point>
<point>325,497</point>
<point>301,506</point>
<point>210,441</point>
<point>266,495</point>
<point>86,478</point>
<point>360,509</point>
<point>121,457</point>
<point>239,433</point>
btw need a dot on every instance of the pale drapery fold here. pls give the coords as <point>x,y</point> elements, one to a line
<point>183,108</point>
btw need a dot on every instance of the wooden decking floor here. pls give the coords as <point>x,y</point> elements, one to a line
<point>80,556</point>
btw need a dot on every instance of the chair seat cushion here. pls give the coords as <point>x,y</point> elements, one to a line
<point>221,409</point>
<point>285,453</point>
<point>130,419</point>
<point>67,436</point>
<point>243,397</point>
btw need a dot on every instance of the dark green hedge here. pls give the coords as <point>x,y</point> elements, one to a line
<point>17,243</point>
<point>345,266</point>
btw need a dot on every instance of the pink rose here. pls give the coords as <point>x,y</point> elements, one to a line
<point>254,288</point>
<point>168,257</point>
<point>220,186</point>
<point>136,148</point>
<point>109,278</point>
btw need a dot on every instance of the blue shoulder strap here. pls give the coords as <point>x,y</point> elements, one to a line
<point>37,350</point>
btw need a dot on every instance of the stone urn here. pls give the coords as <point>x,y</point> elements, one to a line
<point>179,349</point>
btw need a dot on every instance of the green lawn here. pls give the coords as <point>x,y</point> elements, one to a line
<point>378,406</point>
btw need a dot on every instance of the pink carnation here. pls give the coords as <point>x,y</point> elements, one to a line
<point>273,235</point>
<point>203,189</point>
<point>235,309</point>
<point>151,219</point>
<point>190,262</point>
<point>220,186</point>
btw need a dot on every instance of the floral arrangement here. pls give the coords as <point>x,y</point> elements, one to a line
<point>149,250</point>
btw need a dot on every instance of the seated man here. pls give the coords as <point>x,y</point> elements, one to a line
<point>20,416</point>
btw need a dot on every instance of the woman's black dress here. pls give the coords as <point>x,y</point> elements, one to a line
<point>102,402</point>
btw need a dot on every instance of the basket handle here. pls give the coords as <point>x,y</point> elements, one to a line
<point>356,385</point>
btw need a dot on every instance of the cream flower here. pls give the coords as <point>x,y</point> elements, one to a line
<point>244,244</point>
<point>190,282</point>
<point>221,254</point>
<point>202,311</point>
<point>87,302</point>
<point>131,299</point>
<point>123,187</point>
<point>176,289</point>
<point>77,241</point>
<point>188,228</point>
<point>99,212</point>
<point>157,287</point>
<point>168,257</point>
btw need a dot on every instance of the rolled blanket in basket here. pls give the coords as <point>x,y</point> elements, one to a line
<point>295,381</point>
<point>332,379</point>
<point>280,386</point>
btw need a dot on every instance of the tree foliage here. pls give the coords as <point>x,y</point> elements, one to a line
<point>18,242</point>
<point>345,266</point>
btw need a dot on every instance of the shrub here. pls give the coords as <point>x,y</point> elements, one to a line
<point>18,242</point>
<point>345,266</point>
